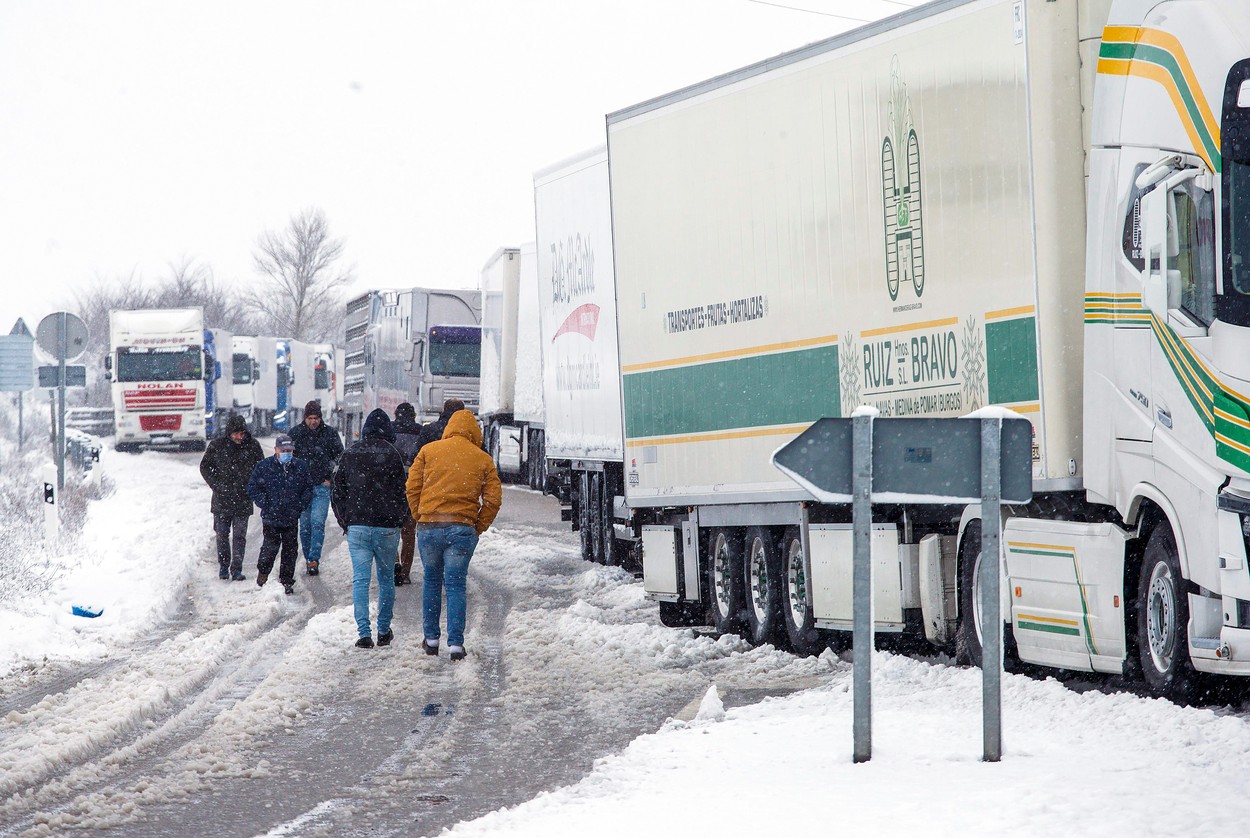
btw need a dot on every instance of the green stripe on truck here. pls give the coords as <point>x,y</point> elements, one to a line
<point>1011,360</point>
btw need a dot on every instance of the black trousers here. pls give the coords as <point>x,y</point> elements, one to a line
<point>285,539</point>
<point>230,550</point>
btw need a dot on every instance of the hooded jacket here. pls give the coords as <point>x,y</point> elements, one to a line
<point>368,486</point>
<point>281,491</point>
<point>319,449</point>
<point>454,481</point>
<point>227,466</point>
<point>407,435</point>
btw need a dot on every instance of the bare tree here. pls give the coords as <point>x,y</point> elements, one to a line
<point>301,293</point>
<point>191,283</point>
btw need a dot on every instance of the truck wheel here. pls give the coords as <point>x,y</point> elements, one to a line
<point>724,580</point>
<point>763,575</point>
<point>1163,620</point>
<point>968,633</point>
<point>796,603</point>
<point>582,506</point>
<point>594,508</point>
<point>609,552</point>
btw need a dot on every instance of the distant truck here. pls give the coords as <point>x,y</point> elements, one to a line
<point>160,375</point>
<point>511,403</point>
<point>255,378</point>
<point>416,345</point>
<point>218,346</point>
<point>328,381</point>
<point>1038,205</point>
<point>583,439</point>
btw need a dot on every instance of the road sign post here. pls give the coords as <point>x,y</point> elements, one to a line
<point>862,460</point>
<point>60,334</point>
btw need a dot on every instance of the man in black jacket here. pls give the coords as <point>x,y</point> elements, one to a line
<point>370,505</point>
<point>433,432</point>
<point>408,442</point>
<point>319,446</point>
<point>226,467</point>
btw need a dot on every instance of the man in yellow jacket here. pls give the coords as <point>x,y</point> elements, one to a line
<point>454,494</point>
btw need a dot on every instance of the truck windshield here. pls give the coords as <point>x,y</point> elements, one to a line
<point>321,376</point>
<point>242,366</point>
<point>456,351</point>
<point>183,363</point>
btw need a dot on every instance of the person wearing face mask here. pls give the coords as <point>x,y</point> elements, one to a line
<point>282,487</point>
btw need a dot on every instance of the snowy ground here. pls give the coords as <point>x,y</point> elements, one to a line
<point>192,701</point>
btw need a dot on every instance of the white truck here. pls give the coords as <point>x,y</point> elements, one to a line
<point>510,407</point>
<point>160,374</point>
<point>218,344</point>
<point>583,438</point>
<point>1038,204</point>
<point>255,376</point>
<point>328,381</point>
<point>303,379</point>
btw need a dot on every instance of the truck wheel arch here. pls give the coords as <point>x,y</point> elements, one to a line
<point>1144,497</point>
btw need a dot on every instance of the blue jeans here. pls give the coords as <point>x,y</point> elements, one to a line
<point>445,554</point>
<point>370,547</point>
<point>312,523</point>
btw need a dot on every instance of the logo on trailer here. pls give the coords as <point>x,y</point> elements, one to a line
<point>900,181</point>
<point>583,320</point>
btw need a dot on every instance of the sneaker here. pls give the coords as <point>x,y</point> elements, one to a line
<point>385,639</point>
<point>288,587</point>
<point>312,569</point>
<point>430,646</point>
<point>457,653</point>
<point>365,642</point>
<point>237,577</point>
<point>223,573</point>
<point>261,579</point>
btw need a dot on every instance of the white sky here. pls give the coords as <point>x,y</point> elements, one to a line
<point>138,134</point>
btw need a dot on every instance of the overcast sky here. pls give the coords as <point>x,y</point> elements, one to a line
<point>138,134</point>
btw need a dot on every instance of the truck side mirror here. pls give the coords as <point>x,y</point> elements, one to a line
<point>255,370</point>
<point>108,367</point>
<point>1156,245</point>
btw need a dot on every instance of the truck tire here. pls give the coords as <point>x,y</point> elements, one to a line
<point>594,506</point>
<point>762,573</point>
<point>968,632</point>
<point>1163,620</point>
<point>724,580</point>
<point>796,601</point>
<point>610,554</point>
<point>582,507</point>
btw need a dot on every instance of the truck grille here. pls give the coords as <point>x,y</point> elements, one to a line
<point>165,398</point>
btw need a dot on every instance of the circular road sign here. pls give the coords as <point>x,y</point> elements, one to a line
<point>75,335</point>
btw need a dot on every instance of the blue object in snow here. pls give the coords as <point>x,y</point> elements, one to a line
<point>87,611</point>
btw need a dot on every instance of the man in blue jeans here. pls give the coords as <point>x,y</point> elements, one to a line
<point>454,493</point>
<point>368,500</point>
<point>318,445</point>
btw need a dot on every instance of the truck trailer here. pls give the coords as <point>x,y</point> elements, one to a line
<point>160,375</point>
<point>1042,205</point>
<point>255,376</point>
<point>510,407</point>
<point>583,438</point>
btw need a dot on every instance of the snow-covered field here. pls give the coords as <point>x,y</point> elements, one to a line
<point>1084,763</point>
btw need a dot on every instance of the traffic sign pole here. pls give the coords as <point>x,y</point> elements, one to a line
<point>60,401</point>
<point>991,588</point>
<point>861,584</point>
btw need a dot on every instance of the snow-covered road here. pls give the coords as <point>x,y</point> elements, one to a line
<point>195,706</point>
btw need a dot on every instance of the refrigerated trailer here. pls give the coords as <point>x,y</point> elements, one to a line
<point>1037,204</point>
<point>510,405</point>
<point>255,377</point>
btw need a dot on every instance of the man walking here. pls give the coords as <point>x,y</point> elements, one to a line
<point>281,487</point>
<point>319,446</point>
<point>408,442</point>
<point>226,467</point>
<point>368,501</point>
<point>454,493</point>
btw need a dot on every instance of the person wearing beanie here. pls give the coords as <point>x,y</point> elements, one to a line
<point>368,502</point>
<point>319,446</point>
<point>454,493</point>
<point>226,466</point>
<point>408,441</point>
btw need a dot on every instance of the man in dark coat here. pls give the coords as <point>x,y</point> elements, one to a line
<point>369,504</point>
<point>281,486</point>
<point>319,446</point>
<point>433,432</point>
<point>226,467</point>
<point>408,442</point>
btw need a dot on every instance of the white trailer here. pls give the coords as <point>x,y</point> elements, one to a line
<point>222,390</point>
<point>975,202</point>
<point>160,372</point>
<point>255,377</point>
<point>510,406</point>
<point>303,387</point>
<point>584,439</point>
<point>328,381</point>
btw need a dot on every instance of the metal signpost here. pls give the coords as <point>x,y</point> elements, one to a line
<point>17,367</point>
<point>63,336</point>
<point>863,460</point>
